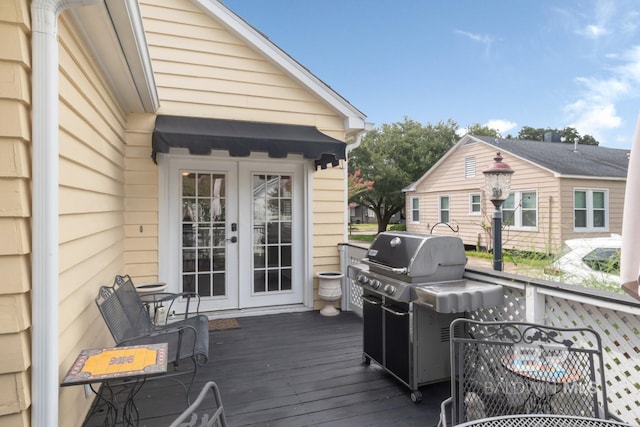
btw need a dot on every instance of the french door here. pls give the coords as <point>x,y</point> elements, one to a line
<point>236,232</point>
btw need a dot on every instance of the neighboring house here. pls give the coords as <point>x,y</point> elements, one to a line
<point>138,137</point>
<point>558,192</point>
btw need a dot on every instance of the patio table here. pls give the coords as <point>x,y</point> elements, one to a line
<point>543,377</point>
<point>541,420</point>
<point>130,365</point>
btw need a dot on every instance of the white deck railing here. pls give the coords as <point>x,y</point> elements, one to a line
<point>615,317</point>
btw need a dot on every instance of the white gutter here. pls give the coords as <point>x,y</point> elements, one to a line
<point>44,256</point>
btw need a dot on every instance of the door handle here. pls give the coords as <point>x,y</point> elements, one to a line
<point>232,239</point>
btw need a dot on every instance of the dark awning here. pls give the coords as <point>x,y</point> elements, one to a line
<point>239,138</point>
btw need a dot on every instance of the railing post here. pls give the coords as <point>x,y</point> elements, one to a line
<point>344,263</point>
<point>535,310</point>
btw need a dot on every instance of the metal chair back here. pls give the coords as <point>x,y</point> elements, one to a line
<point>129,322</point>
<point>195,415</point>
<point>123,311</point>
<point>505,368</point>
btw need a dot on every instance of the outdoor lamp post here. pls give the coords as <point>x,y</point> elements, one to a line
<point>497,181</point>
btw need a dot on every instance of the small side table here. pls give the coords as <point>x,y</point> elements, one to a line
<point>132,364</point>
<point>551,376</point>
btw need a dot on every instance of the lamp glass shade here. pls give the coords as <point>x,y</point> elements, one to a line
<point>497,179</point>
<point>497,185</point>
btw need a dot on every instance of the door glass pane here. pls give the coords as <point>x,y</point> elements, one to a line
<point>272,226</point>
<point>203,233</point>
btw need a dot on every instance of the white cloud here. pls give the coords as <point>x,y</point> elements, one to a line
<point>631,69</point>
<point>604,15</point>
<point>502,126</point>
<point>483,39</point>
<point>594,112</point>
<point>592,31</point>
<point>603,90</point>
<point>593,119</point>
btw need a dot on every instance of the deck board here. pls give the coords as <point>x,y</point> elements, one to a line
<point>296,369</point>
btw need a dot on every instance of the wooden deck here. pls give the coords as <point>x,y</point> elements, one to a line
<point>299,369</point>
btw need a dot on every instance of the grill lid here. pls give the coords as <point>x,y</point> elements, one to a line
<point>417,257</point>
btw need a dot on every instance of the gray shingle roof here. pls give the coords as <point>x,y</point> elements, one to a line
<point>588,160</point>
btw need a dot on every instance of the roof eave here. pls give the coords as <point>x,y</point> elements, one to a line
<point>594,178</point>
<point>115,35</point>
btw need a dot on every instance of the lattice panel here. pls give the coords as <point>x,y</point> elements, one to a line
<point>355,298</point>
<point>620,334</point>
<point>512,310</point>
<point>354,292</point>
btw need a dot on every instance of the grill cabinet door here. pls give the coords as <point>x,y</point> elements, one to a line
<point>372,327</point>
<point>397,343</point>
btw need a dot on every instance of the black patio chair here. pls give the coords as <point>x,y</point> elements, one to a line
<point>508,368</point>
<point>129,322</point>
<point>202,415</point>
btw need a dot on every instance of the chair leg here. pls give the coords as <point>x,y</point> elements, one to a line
<point>193,378</point>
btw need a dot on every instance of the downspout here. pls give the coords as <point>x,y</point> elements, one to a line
<point>350,148</point>
<point>44,249</point>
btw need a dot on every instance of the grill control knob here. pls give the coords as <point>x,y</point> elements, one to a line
<point>361,278</point>
<point>389,289</point>
<point>375,284</point>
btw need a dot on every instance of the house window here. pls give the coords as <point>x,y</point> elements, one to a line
<point>415,209</point>
<point>444,209</point>
<point>469,167</point>
<point>590,210</point>
<point>474,204</point>
<point>520,210</point>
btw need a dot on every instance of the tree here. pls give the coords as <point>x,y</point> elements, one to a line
<point>395,155</point>
<point>357,185</point>
<point>588,140</point>
<point>569,135</point>
<point>477,129</point>
<point>531,134</point>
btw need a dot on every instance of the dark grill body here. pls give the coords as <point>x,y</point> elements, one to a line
<point>413,288</point>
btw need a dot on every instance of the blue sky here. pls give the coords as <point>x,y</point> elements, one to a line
<point>501,63</point>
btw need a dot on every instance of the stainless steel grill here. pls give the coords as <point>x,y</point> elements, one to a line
<point>413,288</point>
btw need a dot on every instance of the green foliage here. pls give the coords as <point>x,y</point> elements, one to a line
<point>397,227</point>
<point>478,130</point>
<point>394,156</point>
<point>569,135</point>
<point>363,237</point>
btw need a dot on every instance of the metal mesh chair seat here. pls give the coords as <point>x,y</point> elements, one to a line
<point>129,322</point>
<point>508,368</point>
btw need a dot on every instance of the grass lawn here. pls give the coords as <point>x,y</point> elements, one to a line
<point>364,227</point>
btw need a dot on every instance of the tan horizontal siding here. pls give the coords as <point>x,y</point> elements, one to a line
<point>14,393</point>
<point>141,206</point>
<point>15,213</point>
<point>92,146</point>
<point>16,346</point>
<point>203,70</point>
<point>615,189</point>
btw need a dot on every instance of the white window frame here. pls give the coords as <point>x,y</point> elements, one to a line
<point>589,208</point>
<point>415,210</point>
<point>440,210</point>
<point>472,204</point>
<point>517,217</point>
